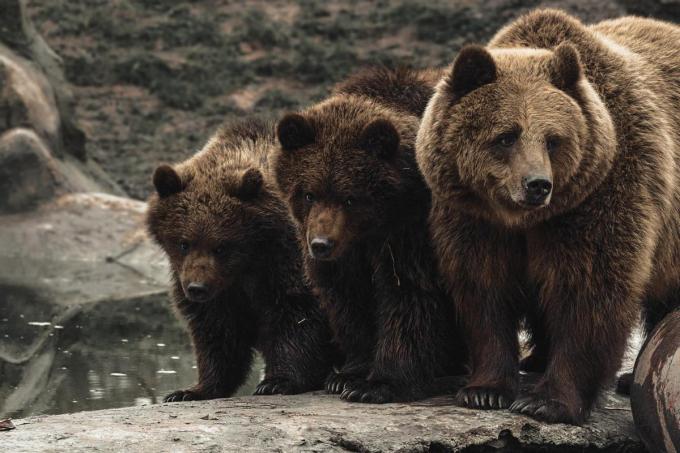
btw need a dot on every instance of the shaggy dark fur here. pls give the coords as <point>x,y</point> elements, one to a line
<point>237,269</point>
<point>556,198</point>
<point>347,169</point>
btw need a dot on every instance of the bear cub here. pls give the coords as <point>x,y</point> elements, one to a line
<point>553,155</point>
<point>347,168</point>
<point>236,268</point>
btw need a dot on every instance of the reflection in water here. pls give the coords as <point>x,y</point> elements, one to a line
<point>110,354</point>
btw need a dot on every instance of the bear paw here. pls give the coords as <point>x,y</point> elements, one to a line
<point>336,382</point>
<point>479,397</point>
<point>368,392</point>
<point>546,409</point>
<point>183,395</point>
<point>276,385</point>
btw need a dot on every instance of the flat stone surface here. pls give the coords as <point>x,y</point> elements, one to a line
<point>81,248</point>
<point>317,422</point>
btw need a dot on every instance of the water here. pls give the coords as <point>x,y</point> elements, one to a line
<point>112,354</point>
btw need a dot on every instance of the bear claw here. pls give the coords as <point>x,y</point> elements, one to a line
<point>276,386</point>
<point>182,395</point>
<point>475,397</point>
<point>368,392</point>
<point>545,409</point>
<point>336,382</point>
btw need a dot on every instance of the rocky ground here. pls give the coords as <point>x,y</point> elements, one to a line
<point>153,78</point>
<point>319,423</point>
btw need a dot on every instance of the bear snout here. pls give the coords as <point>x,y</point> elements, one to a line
<point>326,232</point>
<point>537,190</point>
<point>321,247</point>
<point>197,291</point>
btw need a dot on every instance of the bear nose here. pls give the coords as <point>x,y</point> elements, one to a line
<point>321,247</point>
<point>197,291</point>
<point>537,189</point>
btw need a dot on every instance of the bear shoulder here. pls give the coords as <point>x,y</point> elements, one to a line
<point>544,29</point>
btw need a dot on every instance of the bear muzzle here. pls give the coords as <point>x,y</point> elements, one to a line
<point>197,291</point>
<point>321,247</point>
<point>537,190</point>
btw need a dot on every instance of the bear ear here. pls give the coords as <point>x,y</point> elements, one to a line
<point>294,132</point>
<point>565,67</point>
<point>251,184</point>
<point>380,137</point>
<point>474,67</point>
<point>166,181</point>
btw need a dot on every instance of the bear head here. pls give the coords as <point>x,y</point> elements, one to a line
<point>515,135</point>
<point>216,224</point>
<point>347,169</point>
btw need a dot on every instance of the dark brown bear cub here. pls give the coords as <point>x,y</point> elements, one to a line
<point>553,157</point>
<point>237,269</point>
<point>348,170</point>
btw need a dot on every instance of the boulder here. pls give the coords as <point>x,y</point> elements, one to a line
<point>27,99</point>
<point>20,35</point>
<point>28,173</point>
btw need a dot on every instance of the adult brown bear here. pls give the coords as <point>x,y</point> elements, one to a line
<point>554,161</point>
<point>236,268</point>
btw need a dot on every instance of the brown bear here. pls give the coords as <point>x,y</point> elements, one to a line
<point>237,269</point>
<point>554,161</point>
<point>347,169</point>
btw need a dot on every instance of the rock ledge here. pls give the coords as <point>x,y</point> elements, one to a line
<point>318,422</point>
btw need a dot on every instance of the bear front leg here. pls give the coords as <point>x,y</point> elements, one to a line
<point>589,299</point>
<point>220,373</point>
<point>417,336</point>
<point>481,266</point>
<point>223,357</point>
<point>352,320</point>
<point>588,339</point>
<point>407,345</point>
<point>490,329</point>
<point>296,345</point>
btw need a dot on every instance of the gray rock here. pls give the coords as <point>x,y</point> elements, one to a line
<point>30,174</point>
<point>317,422</point>
<point>18,32</point>
<point>27,99</point>
<point>82,248</point>
<point>27,171</point>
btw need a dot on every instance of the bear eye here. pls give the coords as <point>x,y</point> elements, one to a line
<point>309,197</point>
<point>349,202</point>
<point>184,246</point>
<point>507,139</point>
<point>551,143</point>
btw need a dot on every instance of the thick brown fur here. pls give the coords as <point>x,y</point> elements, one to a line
<point>594,111</point>
<point>348,171</point>
<point>237,269</point>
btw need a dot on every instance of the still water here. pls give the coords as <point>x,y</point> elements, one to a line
<point>111,354</point>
